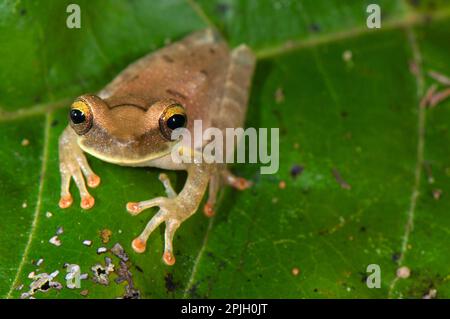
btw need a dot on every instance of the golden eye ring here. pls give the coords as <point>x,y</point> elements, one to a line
<point>172,118</point>
<point>80,116</point>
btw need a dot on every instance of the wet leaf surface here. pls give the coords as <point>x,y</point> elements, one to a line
<point>357,153</point>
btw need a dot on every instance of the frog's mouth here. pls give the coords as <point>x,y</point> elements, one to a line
<point>115,156</point>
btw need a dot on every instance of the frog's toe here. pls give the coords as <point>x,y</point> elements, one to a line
<point>239,183</point>
<point>139,245</point>
<point>87,202</point>
<point>169,258</point>
<point>93,180</point>
<point>65,201</point>
<point>208,210</point>
<point>133,208</point>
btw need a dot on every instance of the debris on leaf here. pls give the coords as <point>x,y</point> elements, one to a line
<point>84,293</point>
<point>437,193</point>
<point>431,294</point>
<point>101,274</point>
<point>279,95</point>
<point>340,180</point>
<point>347,56</point>
<point>105,235</point>
<point>31,275</point>
<point>48,214</point>
<point>282,185</point>
<point>124,274</point>
<point>25,142</point>
<point>60,231</point>
<point>296,170</point>
<point>429,172</point>
<point>102,250</point>
<point>24,205</point>
<point>42,282</point>
<point>119,252</point>
<point>55,241</point>
<point>439,97</point>
<point>403,272</point>
<point>425,101</point>
<point>87,242</point>
<point>295,271</point>
<point>39,262</point>
<point>442,79</point>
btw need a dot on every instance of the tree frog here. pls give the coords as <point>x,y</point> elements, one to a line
<point>130,122</point>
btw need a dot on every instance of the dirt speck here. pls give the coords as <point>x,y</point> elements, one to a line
<point>84,293</point>
<point>296,170</point>
<point>279,95</point>
<point>105,235</point>
<point>295,271</point>
<point>431,294</point>
<point>101,273</point>
<point>403,272</point>
<point>171,285</point>
<point>437,193</point>
<point>347,56</point>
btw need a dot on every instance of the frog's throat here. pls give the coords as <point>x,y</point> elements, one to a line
<point>125,161</point>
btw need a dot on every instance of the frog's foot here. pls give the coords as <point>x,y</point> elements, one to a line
<point>135,208</point>
<point>75,168</point>
<point>170,212</point>
<point>171,219</point>
<point>239,183</point>
<point>68,172</point>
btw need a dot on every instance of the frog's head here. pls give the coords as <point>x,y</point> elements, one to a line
<point>126,130</point>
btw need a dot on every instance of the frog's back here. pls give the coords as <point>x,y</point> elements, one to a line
<point>199,71</point>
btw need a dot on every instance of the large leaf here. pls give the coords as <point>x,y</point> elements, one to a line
<point>346,100</point>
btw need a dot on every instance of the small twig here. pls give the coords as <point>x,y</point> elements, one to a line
<point>340,180</point>
<point>439,97</point>
<point>429,172</point>
<point>439,77</point>
<point>428,95</point>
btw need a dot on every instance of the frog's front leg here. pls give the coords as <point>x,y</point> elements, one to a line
<point>173,209</point>
<point>73,164</point>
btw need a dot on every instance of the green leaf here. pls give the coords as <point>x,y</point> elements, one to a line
<point>346,100</point>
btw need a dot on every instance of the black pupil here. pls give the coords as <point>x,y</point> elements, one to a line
<point>176,121</point>
<point>77,116</point>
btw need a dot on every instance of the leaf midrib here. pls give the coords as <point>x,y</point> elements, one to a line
<point>43,170</point>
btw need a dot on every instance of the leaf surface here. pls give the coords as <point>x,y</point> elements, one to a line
<point>346,100</point>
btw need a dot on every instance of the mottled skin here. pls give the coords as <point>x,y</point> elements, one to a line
<point>198,78</point>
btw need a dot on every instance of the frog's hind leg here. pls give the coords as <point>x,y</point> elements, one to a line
<point>214,187</point>
<point>215,183</point>
<point>237,182</point>
<point>233,106</point>
<point>206,36</point>
<point>231,114</point>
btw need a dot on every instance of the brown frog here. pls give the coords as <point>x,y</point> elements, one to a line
<point>131,120</point>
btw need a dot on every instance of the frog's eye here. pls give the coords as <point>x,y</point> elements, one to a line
<point>173,117</point>
<point>80,117</point>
